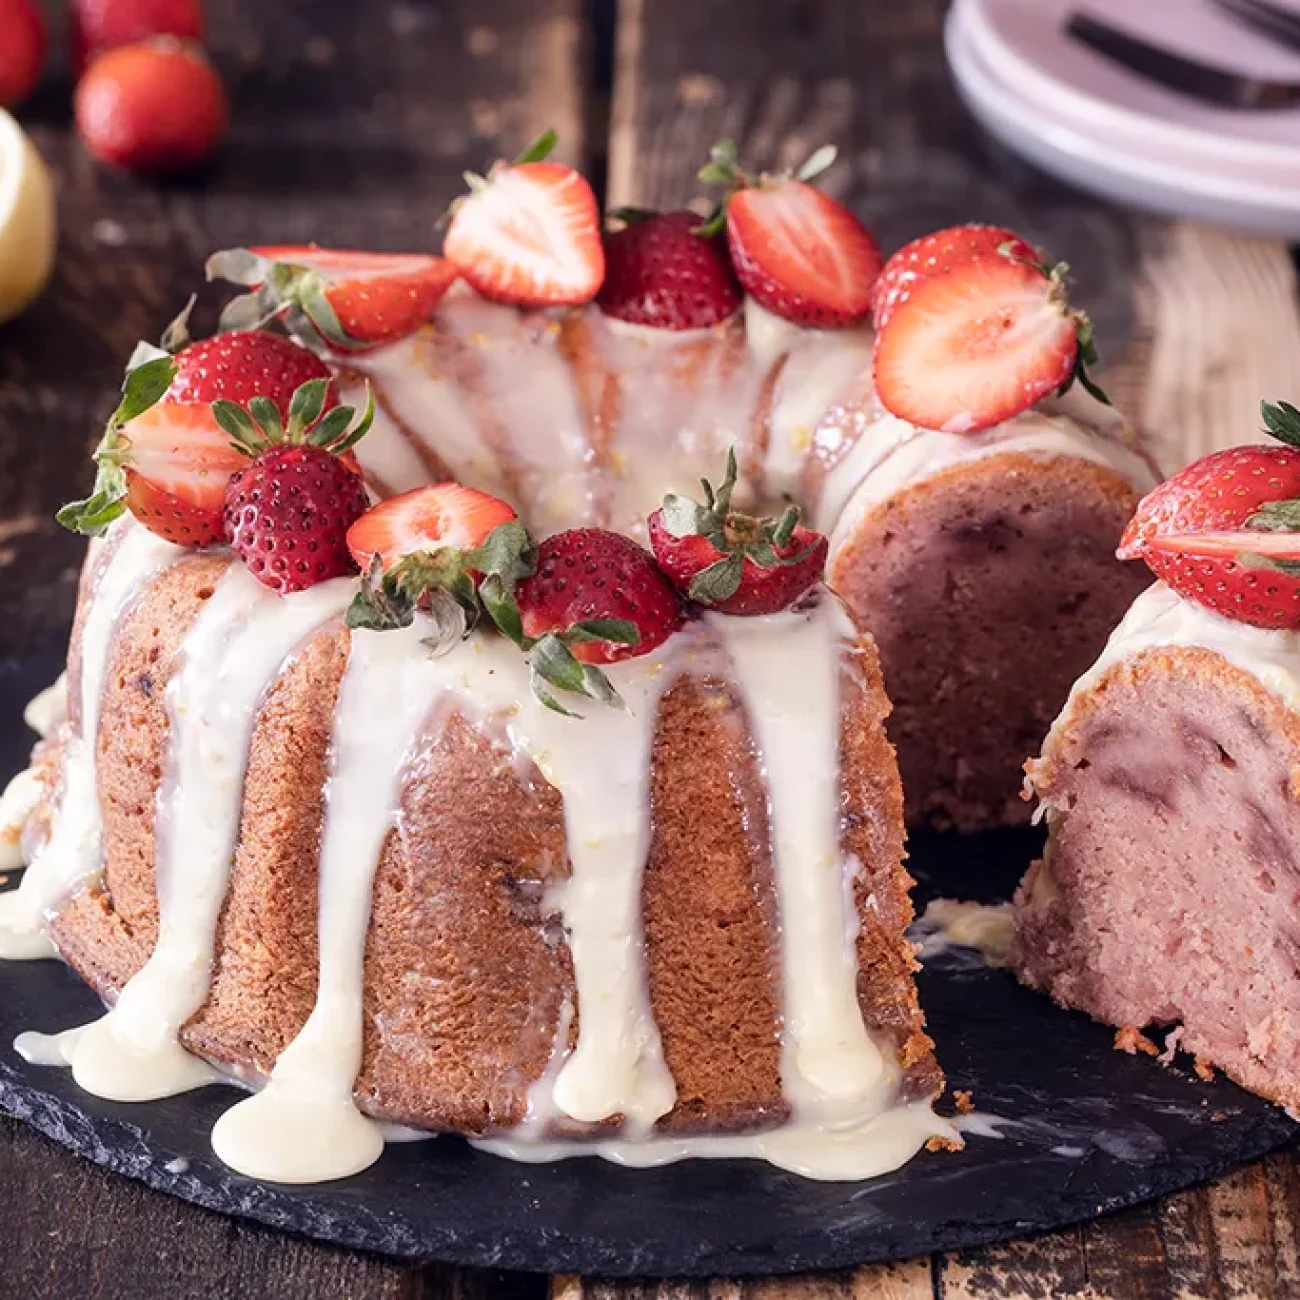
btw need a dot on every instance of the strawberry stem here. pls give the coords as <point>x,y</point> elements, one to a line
<point>1281,421</point>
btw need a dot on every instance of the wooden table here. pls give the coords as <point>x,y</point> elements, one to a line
<point>352,124</point>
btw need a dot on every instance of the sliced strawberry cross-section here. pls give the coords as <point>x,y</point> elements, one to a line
<point>936,254</point>
<point>1225,532</point>
<point>529,233</point>
<point>349,299</point>
<point>800,253</point>
<point>980,343</point>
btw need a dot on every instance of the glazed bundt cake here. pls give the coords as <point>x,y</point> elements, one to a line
<point>1166,898</point>
<point>320,814</point>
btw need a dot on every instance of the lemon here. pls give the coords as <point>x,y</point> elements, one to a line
<point>27,227</point>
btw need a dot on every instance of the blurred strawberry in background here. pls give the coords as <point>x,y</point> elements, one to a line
<point>22,50</point>
<point>155,106</point>
<point>98,25</point>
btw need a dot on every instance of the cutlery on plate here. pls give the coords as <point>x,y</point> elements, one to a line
<point>1281,25</point>
<point>1177,72</point>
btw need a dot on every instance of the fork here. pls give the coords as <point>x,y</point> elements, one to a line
<point>1282,25</point>
<point>1191,77</point>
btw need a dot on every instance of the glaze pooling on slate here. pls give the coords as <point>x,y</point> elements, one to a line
<point>1143,1131</point>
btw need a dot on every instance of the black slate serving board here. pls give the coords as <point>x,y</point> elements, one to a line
<point>1083,1130</point>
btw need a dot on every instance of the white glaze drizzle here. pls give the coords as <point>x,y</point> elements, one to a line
<point>305,1126</point>
<point>236,646</point>
<point>830,1066</point>
<point>1160,617</point>
<point>892,455</point>
<point>48,710</point>
<point>72,853</point>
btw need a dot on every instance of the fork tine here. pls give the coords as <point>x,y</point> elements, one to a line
<point>1280,24</point>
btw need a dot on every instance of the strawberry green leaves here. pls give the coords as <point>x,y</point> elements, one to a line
<point>258,427</point>
<point>143,386</point>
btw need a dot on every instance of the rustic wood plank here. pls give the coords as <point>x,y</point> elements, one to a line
<point>351,125</point>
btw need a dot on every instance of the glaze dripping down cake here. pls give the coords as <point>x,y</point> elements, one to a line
<point>428,757</point>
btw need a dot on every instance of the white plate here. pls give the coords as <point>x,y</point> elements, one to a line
<point>1024,43</point>
<point>1122,163</point>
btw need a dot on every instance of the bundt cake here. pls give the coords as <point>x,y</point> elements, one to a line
<point>982,563</point>
<point>320,815</point>
<point>1167,897</point>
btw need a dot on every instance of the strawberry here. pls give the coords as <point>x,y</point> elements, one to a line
<point>1225,532</point>
<point>444,514</point>
<point>245,364</point>
<point>287,513</point>
<point>979,343</point>
<point>588,575</point>
<point>165,456</point>
<point>798,252</point>
<point>22,50</point>
<point>177,464</point>
<point>156,106</point>
<point>661,271</point>
<point>349,299</point>
<point>731,561</point>
<point>937,253</point>
<point>99,25</point>
<point>529,233</point>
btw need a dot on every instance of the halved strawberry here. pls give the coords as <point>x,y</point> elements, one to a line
<point>179,462</point>
<point>934,254</point>
<point>424,519</point>
<point>978,344</point>
<point>797,251</point>
<point>734,562</point>
<point>529,233</point>
<point>1225,532</point>
<point>350,299</point>
<point>662,272</point>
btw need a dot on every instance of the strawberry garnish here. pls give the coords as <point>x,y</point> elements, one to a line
<point>529,232</point>
<point>661,271</point>
<point>156,106</point>
<point>445,548</point>
<point>348,299</point>
<point>1225,532</point>
<point>936,254</point>
<point>164,456</point>
<point>443,514</point>
<point>734,562</point>
<point>981,342</point>
<point>798,252</point>
<point>288,512</point>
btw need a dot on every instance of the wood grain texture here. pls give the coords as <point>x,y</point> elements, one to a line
<point>351,125</point>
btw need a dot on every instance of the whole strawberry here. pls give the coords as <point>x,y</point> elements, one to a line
<point>99,25</point>
<point>288,513</point>
<point>733,562</point>
<point>585,576</point>
<point>157,106</point>
<point>1224,533</point>
<point>662,272</point>
<point>937,254</point>
<point>22,50</point>
<point>798,252</point>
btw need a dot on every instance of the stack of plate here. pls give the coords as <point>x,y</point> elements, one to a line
<point>1093,123</point>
